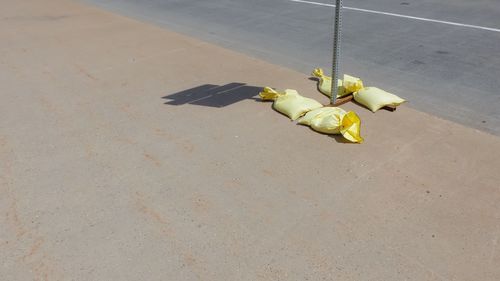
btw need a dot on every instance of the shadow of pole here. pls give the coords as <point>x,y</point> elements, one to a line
<point>213,95</point>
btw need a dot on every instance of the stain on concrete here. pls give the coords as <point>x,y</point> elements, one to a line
<point>48,105</point>
<point>35,247</point>
<point>89,150</point>
<point>144,208</point>
<point>233,183</point>
<point>131,113</point>
<point>152,159</point>
<point>271,273</point>
<point>85,73</point>
<point>187,258</point>
<point>17,235</point>
<point>202,205</point>
<point>126,140</point>
<point>182,143</point>
<point>269,172</point>
<point>12,216</point>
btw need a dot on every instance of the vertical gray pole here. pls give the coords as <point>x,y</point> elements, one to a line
<point>336,50</point>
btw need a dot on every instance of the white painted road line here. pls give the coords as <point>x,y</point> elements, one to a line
<point>402,16</point>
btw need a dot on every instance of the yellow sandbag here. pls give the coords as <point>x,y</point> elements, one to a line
<point>375,98</point>
<point>350,84</point>
<point>334,120</point>
<point>325,84</point>
<point>289,102</point>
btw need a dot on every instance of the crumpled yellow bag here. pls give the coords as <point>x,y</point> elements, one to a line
<point>375,98</point>
<point>350,84</point>
<point>334,120</point>
<point>290,102</point>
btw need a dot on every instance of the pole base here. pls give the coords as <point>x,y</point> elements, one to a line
<point>340,101</point>
<point>350,97</point>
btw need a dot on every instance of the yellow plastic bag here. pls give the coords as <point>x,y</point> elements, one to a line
<point>289,102</point>
<point>375,98</point>
<point>350,84</point>
<point>334,120</point>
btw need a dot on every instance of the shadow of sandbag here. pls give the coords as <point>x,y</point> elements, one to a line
<point>337,137</point>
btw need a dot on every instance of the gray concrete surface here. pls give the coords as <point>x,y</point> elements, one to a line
<point>116,163</point>
<point>449,71</point>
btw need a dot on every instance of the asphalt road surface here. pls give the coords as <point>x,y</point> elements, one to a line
<point>443,56</point>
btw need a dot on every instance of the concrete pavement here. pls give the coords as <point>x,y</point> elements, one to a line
<point>118,162</point>
<point>448,71</point>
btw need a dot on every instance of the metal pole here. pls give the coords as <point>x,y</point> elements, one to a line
<point>336,50</point>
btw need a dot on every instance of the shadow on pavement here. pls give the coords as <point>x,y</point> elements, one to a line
<point>214,95</point>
